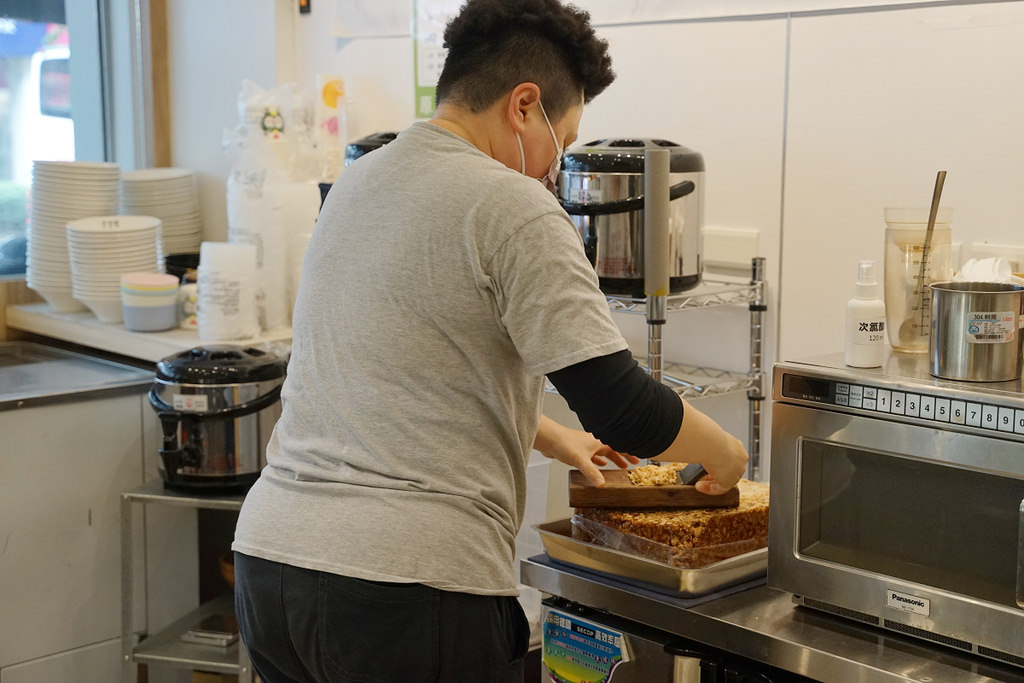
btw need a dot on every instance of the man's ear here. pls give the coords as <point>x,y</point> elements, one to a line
<point>523,99</point>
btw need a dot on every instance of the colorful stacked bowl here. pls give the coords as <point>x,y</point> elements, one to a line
<point>149,301</point>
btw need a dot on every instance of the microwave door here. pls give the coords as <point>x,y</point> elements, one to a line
<point>926,522</point>
<point>1020,558</point>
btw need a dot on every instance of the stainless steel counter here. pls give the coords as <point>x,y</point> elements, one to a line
<point>764,625</point>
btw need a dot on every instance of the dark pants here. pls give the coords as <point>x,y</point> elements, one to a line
<point>304,625</point>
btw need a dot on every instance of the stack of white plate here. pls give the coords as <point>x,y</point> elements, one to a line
<point>63,191</point>
<point>102,249</point>
<point>171,195</point>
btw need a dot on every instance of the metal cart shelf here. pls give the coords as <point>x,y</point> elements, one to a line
<point>709,293</point>
<point>166,647</point>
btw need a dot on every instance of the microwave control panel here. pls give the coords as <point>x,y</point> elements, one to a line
<point>905,402</point>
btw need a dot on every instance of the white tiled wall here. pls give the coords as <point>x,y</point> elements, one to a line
<point>878,103</point>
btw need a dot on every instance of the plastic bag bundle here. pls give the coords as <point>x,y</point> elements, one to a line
<point>271,213</point>
<point>272,195</point>
<point>283,118</point>
<point>280,112</point>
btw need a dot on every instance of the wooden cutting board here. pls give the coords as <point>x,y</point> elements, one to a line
<point>618,491</point>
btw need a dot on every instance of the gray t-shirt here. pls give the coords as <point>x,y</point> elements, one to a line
<point>438,289</point>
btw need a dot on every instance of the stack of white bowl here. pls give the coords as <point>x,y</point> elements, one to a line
<point>102,249</point>
<point>171,195</point>
<point>63,191</point>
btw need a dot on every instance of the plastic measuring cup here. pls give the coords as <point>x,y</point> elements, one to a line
<point>908,301</point>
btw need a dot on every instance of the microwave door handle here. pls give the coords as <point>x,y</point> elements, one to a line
<point>1020,556</point>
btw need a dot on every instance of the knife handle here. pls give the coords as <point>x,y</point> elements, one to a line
<point>691,474</point>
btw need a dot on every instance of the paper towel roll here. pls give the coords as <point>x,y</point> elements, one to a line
<point>226,298</point>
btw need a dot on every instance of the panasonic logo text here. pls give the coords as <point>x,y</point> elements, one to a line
<point>907,603</point>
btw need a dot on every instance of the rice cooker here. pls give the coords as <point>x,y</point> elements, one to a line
<point>364,146</point>
<point>357,149</point>
<point>601,187</point>
<point>217,405</point>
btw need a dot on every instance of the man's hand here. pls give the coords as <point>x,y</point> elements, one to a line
<point>578,449</point>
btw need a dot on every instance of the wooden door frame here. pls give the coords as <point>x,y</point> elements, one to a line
<point>160,86</point>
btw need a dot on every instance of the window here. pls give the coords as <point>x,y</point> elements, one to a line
<point>57,98</point>
<point>55,85</point>
<point>34,50</point>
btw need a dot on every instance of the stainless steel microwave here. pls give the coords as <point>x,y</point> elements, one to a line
<point>897,500</point>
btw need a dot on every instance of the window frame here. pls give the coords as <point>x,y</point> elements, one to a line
<point>118,57</point>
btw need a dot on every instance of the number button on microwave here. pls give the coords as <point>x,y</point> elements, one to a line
<point>928,407</point>
<point>958,412</point>
<point>884,400</point>
<point>973,415</point>
<point>942,409</point>
<point>913,405</point>
<point>898,403</point>
<point>1018,425</point>
<point>989,417</point>
<point>1006,419</point>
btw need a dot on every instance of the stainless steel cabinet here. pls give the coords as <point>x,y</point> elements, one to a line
<point>71,438</point>
<point>90,663</point>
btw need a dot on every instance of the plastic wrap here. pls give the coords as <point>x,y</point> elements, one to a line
<point>269,208</point>
<point>683,558</point>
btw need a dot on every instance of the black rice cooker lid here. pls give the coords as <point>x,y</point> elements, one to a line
<point>626,155</point>
<point>220,364</point>
<point>356,149</point>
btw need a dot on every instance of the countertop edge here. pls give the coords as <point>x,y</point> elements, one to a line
<point>85,329</point>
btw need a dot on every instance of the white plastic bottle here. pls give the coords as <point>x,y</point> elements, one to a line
<point>865,321</point>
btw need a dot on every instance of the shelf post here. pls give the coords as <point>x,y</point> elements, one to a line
<point>657,217</point>
<point>755,395</point>
<point>127,591</point>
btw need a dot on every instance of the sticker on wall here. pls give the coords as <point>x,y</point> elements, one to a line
<point>370,18</point>
<point>429,20</point>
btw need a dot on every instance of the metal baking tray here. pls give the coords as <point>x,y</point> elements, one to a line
<point>561,546</point>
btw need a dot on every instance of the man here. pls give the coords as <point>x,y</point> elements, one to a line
<point>442,283</point>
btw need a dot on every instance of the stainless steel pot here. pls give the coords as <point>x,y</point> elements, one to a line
<point>601,187</point>
<point>217,406</point>
<point>976,331</point>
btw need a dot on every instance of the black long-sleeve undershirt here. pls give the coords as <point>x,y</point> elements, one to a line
<point>620,404</point>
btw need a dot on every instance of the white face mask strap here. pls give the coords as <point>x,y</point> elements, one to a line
<point>522,156</point>
<point>548,121</point>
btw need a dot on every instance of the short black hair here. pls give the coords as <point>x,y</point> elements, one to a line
<point>494,45</point>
